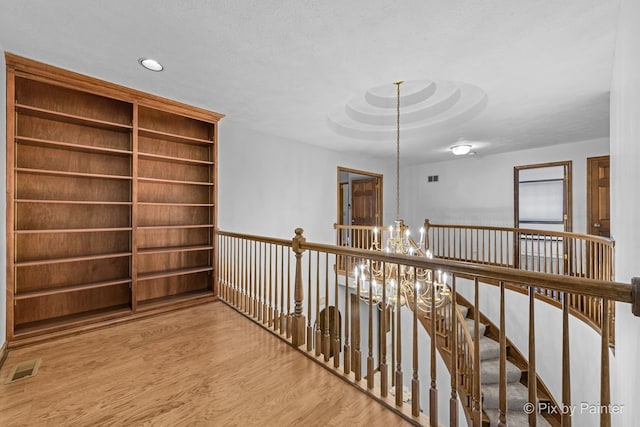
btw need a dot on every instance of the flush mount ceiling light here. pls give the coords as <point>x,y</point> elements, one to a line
<point>461,149</point>
<point>151,64</point>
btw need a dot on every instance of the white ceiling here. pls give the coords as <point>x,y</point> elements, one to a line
<point>283,66</point>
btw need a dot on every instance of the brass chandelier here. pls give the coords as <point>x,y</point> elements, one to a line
<point>388,284</point>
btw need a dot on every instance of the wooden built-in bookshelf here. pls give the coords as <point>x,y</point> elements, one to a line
<point>111,204</point>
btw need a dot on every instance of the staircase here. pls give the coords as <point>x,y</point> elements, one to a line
<point>517,392</point>
<point>516,371</point>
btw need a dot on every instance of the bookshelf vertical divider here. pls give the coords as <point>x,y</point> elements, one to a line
<point>11,131</point>
<point>111,204</point>
<point>134,209</point>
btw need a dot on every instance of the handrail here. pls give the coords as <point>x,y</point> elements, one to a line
<point>354,227</point>
<point>465,348</point>
<point>553,252</point>
<point>567,253</point>
<point>600,239</point>
<point>522,230</point>
<point>556,252</point>
<point>262,239</point>
<point>278,282</point>
<point>617,291</point>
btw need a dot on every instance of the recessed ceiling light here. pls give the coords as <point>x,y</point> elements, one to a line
<point>460,150</point>
<point>151,64</point>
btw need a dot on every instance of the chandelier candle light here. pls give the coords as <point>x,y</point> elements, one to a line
<point>378,282</point>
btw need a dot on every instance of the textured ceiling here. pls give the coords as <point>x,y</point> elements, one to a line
<point>284,67</point>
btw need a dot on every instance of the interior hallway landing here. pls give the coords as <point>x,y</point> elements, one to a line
<point>206,366</point>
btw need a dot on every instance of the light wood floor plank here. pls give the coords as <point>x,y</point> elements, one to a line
<point>203,366</point>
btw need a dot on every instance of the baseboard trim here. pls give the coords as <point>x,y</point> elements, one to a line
<point>4,352</point>
<point>45,336</point>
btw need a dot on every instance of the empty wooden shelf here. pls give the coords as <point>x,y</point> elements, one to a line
<point>111,204</point>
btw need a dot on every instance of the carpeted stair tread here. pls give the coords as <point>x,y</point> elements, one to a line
<point>515,418</point>
<point>517,396</point>
<point>490,372</point>
<point>470,324</point>
<point>489,348</point>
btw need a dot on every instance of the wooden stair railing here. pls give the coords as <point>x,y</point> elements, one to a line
<point>275,281</point>
<point>555,252</point>
<point>568,254</point>
<point>455,343</point>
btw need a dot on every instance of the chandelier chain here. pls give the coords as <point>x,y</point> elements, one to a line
<point>398,150</point>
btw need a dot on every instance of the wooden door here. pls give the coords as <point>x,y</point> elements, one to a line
<point>598,206</point>
<point>364,201</point>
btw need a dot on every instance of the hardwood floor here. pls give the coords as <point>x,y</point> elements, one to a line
<point>206,366</point>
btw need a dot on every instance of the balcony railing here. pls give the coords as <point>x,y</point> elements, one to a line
<point>562,253</point>
<point>292,288</point>
<point>554,252</point>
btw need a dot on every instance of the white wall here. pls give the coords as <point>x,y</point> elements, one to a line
<point>3,200</point>
<point>478,190</point>
<point>625,201</point>
<point>269,186</point>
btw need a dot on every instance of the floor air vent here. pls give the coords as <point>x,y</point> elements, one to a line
<point>23,370</point>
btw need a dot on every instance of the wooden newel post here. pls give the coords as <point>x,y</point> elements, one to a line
<point>426,226</point>
<point>298,320</point>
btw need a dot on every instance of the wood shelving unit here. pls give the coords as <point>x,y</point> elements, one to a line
<point>175,193</point>
<point>111,204</point>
